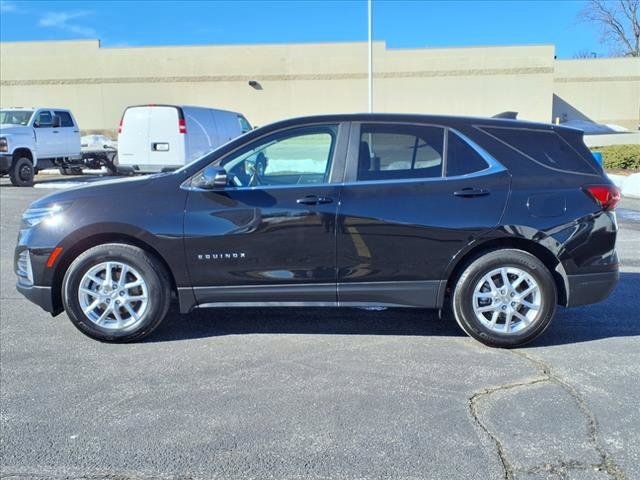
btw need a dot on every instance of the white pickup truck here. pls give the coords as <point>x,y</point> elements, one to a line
<point>32,139</point>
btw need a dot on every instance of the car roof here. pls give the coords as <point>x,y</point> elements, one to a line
<point>448,120</point>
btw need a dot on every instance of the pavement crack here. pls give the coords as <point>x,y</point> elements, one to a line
<point>508,470</point>
<point>545,375</point>
<point>606,462</point>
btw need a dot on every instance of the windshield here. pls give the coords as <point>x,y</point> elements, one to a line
<point>15,117</point>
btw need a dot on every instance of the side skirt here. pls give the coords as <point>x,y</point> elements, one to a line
<point>412,294</point>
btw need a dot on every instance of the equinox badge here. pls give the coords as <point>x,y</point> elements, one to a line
<point>221,256</point>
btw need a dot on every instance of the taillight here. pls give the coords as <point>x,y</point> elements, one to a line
<point>182,126</point>
<point>121,123</point>
<point>607,196</point>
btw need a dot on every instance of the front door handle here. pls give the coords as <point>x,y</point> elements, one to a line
<point>471,192</point>
<point>313,200</point>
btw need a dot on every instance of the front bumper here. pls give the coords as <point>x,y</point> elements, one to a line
<point>5,162</point>
<point>41,296</point>
<point>590,288</point>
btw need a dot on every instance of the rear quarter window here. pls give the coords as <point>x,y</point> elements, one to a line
<point>546,148</point>
<point>462,158</point>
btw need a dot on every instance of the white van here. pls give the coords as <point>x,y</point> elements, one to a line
<point>156,137</point>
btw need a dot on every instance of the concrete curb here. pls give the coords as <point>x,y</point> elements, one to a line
<point>629,185</point>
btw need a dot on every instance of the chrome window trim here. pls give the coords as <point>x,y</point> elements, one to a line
<point>493,165</point>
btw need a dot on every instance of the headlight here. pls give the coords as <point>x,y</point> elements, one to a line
<point>51,214</point>
<point>4,146</point>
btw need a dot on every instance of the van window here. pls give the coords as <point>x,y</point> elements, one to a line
<point>462,158</point>
<point>65,118</point>
<point>399,152</point>
<point>543,147</point>
<point>44,120</point>
<point>295,157</point>
<point>245,126</point>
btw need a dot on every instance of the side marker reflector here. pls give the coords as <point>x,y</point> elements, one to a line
<point>52,258</point>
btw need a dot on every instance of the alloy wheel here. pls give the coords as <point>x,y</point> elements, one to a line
<point>113,295</point>
<point>507,300</point>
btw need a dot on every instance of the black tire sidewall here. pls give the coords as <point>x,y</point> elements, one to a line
<point>463,306</point>
<point>15,175</point>
<point>157,285</point>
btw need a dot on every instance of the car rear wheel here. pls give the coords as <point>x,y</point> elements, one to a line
<point>505,298</point>
<point>116,293</point>
<point>22,172</point>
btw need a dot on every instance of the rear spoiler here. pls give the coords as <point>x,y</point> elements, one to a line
<point>509,115</point>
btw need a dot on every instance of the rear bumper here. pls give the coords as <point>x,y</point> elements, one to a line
<point>590,287</point>
<point>41,296</point>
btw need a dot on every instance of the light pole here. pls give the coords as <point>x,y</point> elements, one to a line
<point>370,16</point>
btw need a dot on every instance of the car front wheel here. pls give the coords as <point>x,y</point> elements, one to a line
<point>116,293</point>
<point>505,298</point>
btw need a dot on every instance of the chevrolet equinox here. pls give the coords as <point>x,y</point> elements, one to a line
<point>497,221</point>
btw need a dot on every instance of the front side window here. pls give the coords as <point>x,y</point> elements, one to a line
<point>65,119</point>
<point>400,152</point>
<point>296,157</point>
<point>44,120</point>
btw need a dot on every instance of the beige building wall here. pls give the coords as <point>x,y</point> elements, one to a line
<point>605,90</point>
<point>296,79</point>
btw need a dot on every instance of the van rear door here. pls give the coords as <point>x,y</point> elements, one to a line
<point>133,137</point>
<point>167,131</point>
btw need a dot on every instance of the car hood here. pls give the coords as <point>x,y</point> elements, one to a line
<point>8,129</point>
<point>110,189</point>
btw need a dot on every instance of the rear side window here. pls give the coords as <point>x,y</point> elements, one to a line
<point>65,119</point>
<point>544,147</point>
<point>462,159</point>
<point>399,152</point>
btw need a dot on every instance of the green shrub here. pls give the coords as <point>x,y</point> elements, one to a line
<point>620,157</point>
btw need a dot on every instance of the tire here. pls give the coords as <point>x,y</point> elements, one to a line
<point>112,164</point>
<point>485,317</point>
<point>22,172</point>
<point>120,325</point>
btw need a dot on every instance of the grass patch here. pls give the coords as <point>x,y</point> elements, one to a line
<point>620,157</point>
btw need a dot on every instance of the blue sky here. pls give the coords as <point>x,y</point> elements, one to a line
<point>402,24</point>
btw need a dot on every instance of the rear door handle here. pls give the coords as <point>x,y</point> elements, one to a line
<point>313,200</point>
<point>471,192</point>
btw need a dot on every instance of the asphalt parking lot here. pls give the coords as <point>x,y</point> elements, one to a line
<point>320,394</point>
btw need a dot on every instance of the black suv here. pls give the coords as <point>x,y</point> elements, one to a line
<point>498,220</point>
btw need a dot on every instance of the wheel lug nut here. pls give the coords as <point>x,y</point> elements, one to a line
<point>513,294</point>
<point>122,293</point>
<point>115,286</point>
<point>504,307</point>
<point>513,304</point>
<point>108,300</point>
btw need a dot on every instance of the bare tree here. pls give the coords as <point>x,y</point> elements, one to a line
<point>618,22</point>
<point>584,54</point>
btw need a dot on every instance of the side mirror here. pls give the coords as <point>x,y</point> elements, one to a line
<point>36,124</point>
<point>57,122</point>
<point>214,178</point>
